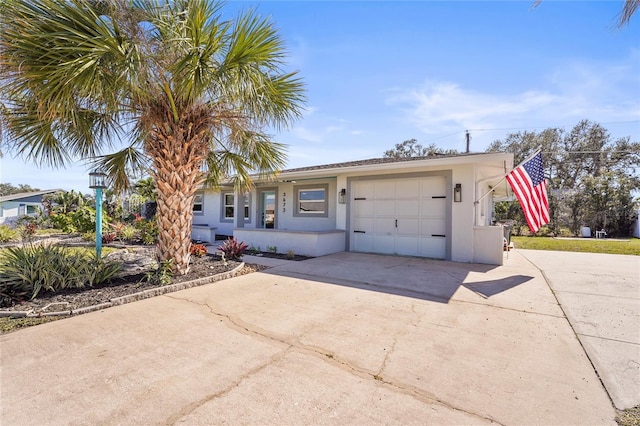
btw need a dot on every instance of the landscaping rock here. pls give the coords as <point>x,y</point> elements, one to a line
<point>133,262</point>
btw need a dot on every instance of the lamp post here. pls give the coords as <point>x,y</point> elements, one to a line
<point>98,181</point>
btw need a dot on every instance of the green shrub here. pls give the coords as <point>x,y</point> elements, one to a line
<point>89,236</point>
<point>124,232</point>
<point>148,230</point>
<point>53,268</point>
<point>84,219</point>
<point>233,249</point>
<point>163,275</point>
<point>7,234</point>
<point>128,234</point>
<point>12,291</point>
<point>62,221</point>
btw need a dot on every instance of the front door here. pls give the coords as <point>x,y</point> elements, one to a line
<point>268,209</point>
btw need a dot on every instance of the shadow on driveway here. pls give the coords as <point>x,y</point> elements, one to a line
<point>419,278</point>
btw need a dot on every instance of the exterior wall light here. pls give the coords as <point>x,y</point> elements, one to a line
<point>342,196</point>
<point>457,193</point>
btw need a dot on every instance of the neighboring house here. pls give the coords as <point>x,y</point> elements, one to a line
<point>411,206</point>
<point>16,205</point>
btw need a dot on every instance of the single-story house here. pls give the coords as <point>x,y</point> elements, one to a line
<point>424,206</point>
<point>25,203</point>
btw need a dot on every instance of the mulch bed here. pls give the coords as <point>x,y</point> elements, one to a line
<point>201,267</point>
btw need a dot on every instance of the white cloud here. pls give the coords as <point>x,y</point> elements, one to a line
<point>323,130</point>
<point>306,134</point>
<point>573,91</point>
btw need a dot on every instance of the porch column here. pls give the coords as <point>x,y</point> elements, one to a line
<point>239,209</point>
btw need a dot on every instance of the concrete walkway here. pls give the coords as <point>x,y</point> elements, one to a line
<point>342,339</point>
<point>600,294</point>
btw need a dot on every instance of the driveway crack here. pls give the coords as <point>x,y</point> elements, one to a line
<point>292,343</point>
<point>195,405</point>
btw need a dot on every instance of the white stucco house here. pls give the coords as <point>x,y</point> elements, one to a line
<point>412,206</point>
<point>16,205</point>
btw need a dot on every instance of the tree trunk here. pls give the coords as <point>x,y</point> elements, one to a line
<point>175,215</point>
<point>177,162</point>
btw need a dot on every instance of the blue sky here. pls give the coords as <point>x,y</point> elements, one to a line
<point>379,73</point>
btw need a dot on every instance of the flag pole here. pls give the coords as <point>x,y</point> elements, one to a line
<point>537,151</point>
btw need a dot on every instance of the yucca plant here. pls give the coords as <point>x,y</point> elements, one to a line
<point>53,268</point>
<point>7,234</point>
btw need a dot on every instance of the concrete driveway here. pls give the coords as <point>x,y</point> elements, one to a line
<point>342,339</point>
<point>600,295</point>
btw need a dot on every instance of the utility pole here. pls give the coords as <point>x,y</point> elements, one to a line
<point>468,137</point>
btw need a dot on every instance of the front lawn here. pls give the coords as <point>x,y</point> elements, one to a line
<point>587,245</point>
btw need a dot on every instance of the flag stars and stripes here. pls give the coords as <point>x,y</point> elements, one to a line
<point>528,183</point>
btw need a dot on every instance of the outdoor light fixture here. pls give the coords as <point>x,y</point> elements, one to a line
<point>457,193</point>
<point>98,181</point>
<point>342,196</point>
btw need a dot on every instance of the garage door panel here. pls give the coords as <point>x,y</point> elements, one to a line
<point>364,190</point>
<point>408,208</point>
<point>433,247</point>
<point>364,208</point>
<point>364,242</point>
<point>408,226</point>
<point>434,187</point>
<point>364,224</point>
<point>385,208</point>
<point>385,189</point>
<point>433,227</point>
<point>408,246</point>
<point>408,189</point>
<point>433,207</point>
<point>381,243</point>
<point>384,225</point>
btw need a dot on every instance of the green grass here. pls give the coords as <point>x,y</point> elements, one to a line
<point>629,417</point>
<point>49,231</point>
<point>8,325</point>
<point>586,245</point>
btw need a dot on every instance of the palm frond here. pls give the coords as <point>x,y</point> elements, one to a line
<point>243,157</point>
<point>121,166</point>
<point>628,10</point>
<point>64,86</point>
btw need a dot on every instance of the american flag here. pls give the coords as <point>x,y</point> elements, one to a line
<point>527,182</point>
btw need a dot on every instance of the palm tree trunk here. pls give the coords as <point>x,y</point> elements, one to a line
<point>177,173</point>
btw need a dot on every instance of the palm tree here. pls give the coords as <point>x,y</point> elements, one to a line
<point>191,93</point>
<point>67,202</point>
<point>628,9</point>
<point>146,188</point>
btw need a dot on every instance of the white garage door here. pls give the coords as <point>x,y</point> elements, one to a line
<point>400,216</point>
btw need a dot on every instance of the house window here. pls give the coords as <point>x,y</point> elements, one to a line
<point>31,209</point>
<point>311,201</point>
<point>198,204</point>
<point>229,207</point>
